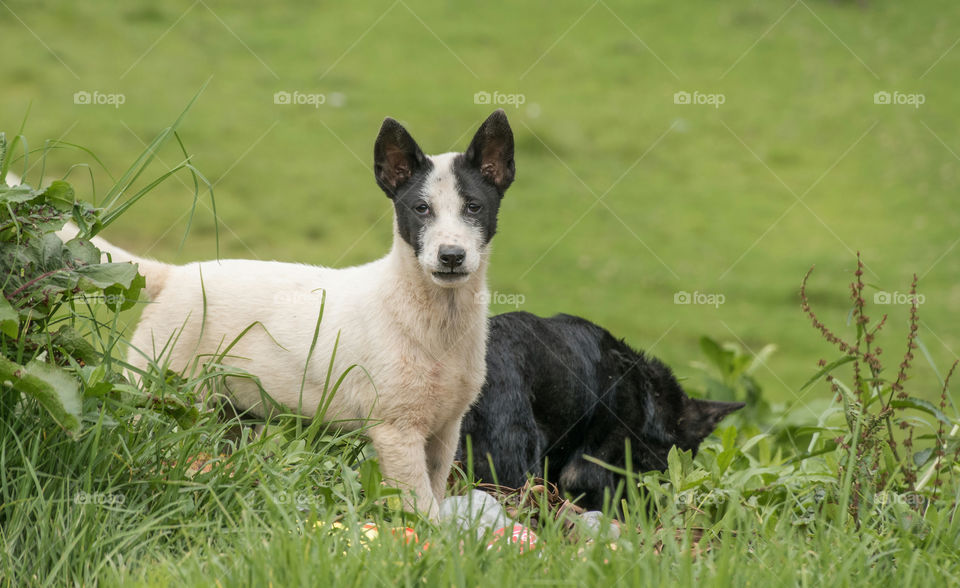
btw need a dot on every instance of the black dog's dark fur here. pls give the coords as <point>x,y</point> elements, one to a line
<point>561,387</point>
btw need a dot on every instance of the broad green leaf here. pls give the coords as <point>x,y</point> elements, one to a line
<point>828,446</point>
<point>923,406</point>
<point>728,439</point>
<point>71,342</point>
<point>9,319</point>
<point>761,357</point>
<point>694,479</point>
<point>814,429</point>
<point>60,195</point>
<point>105,275</point>
<point>749,443</point>
<point>120,296</point>
<point>50,249</point>
<point>99,390</point>
<point>720,357</point>
<point>82,252</point>
<point>56,390</point>
<point>370,478</point>
<point>129,295</point>
<point>674,468</point>
<point>717,390</point>
<point>925,455</point>
<point>17,194</point>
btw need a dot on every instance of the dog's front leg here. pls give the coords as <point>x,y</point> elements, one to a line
<point>441,447</point>
<point>403,462</point>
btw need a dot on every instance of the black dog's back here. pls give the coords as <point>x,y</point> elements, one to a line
<point>558,388</point>
<point>521,413</point>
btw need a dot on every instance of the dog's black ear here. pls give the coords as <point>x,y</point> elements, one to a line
<point>703,416</point>
<point>491,151</point>
<point>396,156</point>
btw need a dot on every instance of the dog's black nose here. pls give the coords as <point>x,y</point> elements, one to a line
<point>452,256</point>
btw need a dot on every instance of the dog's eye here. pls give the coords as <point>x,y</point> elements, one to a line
<point>421,208</point>
<point>474,208</point>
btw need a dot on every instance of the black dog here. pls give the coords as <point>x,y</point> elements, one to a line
<point>560,388</point>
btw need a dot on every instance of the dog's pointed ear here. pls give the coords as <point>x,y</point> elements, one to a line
<point>491,151</point>
<point>703,416</point>
<point>396,157</point>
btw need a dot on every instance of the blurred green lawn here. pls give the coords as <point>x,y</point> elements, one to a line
<point>623,198</point>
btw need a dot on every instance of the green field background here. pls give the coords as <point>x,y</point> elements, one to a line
<point>622,199</point>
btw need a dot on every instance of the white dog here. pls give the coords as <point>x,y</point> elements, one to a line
<point>415,320</point>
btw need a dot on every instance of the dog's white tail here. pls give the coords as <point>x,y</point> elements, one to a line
<point>154,271</point>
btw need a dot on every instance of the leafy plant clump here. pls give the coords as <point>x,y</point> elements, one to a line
<point>43,355</point>
<point>879,456</point>
<point>897,446</point>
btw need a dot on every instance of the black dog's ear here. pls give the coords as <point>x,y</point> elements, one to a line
<point>396,156</point>
<point>491,151</point>
<point>703,416</point>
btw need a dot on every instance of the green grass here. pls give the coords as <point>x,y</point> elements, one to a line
<point>693,199</point>
<point>118,506</point>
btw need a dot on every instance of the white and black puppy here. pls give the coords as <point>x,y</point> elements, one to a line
<point>412,320</point>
